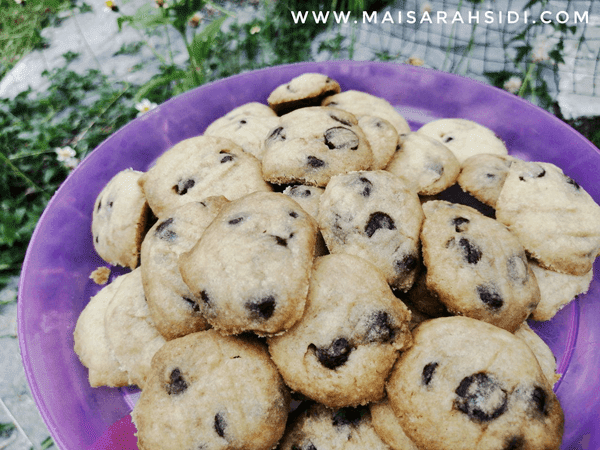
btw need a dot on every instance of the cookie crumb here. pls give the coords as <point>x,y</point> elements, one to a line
<point>100,275</point>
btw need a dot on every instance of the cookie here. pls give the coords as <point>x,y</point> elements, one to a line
<point>119,219</point>
<point>91,343</point>
<point>383,139</point>
<point>170,301</point>
<point>556,220</point>
<point>373,214</point>
<point>388,427</point>
<point>311,145</point>
<point>197,168</point>
<point>428,165</point>
<point>540,349</point>
<point>364,104</point>
<point>100,275</point>
<point>483,176</point>
<point>464,138</point>
<point>319,427</point>
<point>305,90</point>
<point>467,384</point>
<point>130,331</point>
<point>557,290</point>
<point>476,266</point>
<point>249,271</point>
<point>341,351</point>
<point>211,391</point>
<point>247,125</point>
<point>307,196</point>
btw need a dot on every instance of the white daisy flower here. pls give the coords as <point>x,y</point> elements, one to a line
<point>255,29</point>
<point>513,84</point>
<point>110,6</point>
<point>64,153</point>
<point>71,163</point>
<point>144,106</point>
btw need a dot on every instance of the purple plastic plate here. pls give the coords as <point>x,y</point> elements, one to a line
<point>55,284</point>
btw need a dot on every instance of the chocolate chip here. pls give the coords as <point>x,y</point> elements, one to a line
<point>340,138</point>
<point>236,220</point>
<point>299,191</point>
<point>448,139</point>
<point>367,186</point>
<point>460,224</point>
<point>164,232</point>
<point>490,175</point>
<point>490,297</point>
<point>332,104</point>
<point>471,252</point>
<point>99,205</point>
<point>220,425</point>
<point>227,158</point>
<point>348,416</point>
<point>183,186</point>
<point>97,239</point>
<point>280,241</point>
<point>342,121</point>
<point>573,183</point>
<point>192,303</point>
<point>539,399</point>
<point>205,298</point>
<point>428,372</point>
<point>315,162</point>
<point>262,309</point>
<point>379,328</point>
<point>515,443</point>
<point>293,214</point>
<point>406,264</point>
<point>110,204</point>
<point>481,398</point>
<point>379,220</point>
<point>534,171</point>
<point>177,384</point>
<point>335,355</point>
<point>243,122</point>
<point>278,134</point>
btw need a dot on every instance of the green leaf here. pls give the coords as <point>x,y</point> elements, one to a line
<point>121,20</point>
<point>149,17</point>
<point>156,82</point>
<point>202,42</point>
<point>6,429</point>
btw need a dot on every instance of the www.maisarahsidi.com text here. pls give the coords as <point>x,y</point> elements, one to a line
<point>439,17</point>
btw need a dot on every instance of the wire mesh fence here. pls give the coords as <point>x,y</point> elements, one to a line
<point>549,51</point>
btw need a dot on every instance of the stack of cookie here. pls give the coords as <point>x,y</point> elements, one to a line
<point>299,280</point>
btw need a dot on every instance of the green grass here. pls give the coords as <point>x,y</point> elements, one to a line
<point>20,26</point>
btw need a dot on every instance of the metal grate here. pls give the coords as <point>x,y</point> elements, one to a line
<point>491,49</point>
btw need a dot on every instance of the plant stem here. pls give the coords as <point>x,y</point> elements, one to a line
<point>113,100</point>
<point>20,174</point>
<point>526,80</point>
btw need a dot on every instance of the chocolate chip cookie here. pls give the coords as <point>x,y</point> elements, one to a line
<point>476,266</point>
<point>347,341</point>
<point>311,145</point>
<point>212,391</point>
<point>374,215</point>
<point>467,384</point>
<point>249,271</point>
